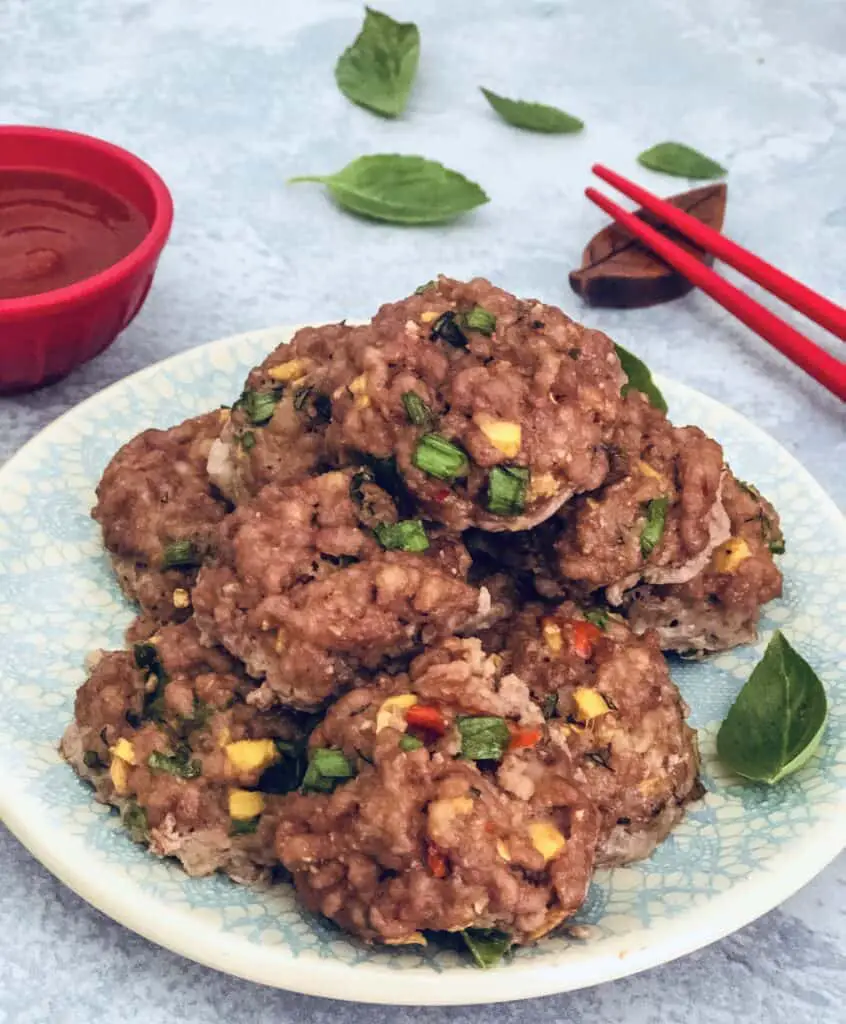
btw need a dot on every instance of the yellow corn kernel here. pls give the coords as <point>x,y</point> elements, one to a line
<point>280,641</point>
<point>243,804</point>
<point>429,315</point>
<point>648,470</point>
<point>288,371</point>
<point>652,785</point>
<point>124,750</point>
<point>728,556</point>
<point>502,850</point>
<point>119,772</point>
<point>362,401</point>
<point>224,737</point>
<point>542,485</point>
<point>251,755</point>
<point>392,712</point>
<point>504,435</point>
<point>358,386</point>
<point>552,636</point>
<point>181,598</point>
<point>414,939</point>
<point>442,813</point>
<point>546,839</point>
<point>590,703</point>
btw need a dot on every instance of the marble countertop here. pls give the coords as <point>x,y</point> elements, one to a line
<point>227,100</point>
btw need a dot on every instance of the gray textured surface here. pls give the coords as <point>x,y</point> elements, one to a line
<point>227,100</point>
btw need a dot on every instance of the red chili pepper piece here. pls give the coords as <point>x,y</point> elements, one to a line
<point>424,716</point>
<point>522,737</point>
<point>583,635</point>
<point>441,494</point>
<point>436,861</point>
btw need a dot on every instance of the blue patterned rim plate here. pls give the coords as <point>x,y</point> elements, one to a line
<point>739,852</point>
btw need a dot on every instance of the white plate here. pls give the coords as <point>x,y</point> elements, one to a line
<point>739,853</point>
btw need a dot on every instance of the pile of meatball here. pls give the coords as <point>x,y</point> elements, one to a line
<point>402,615</point>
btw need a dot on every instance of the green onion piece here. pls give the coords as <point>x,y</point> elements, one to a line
<point>181,554</point>
<point>244,826</point>
<point>598,616</point>
<point>507,486</point>
<point>483,737</point>
<point>326,769</point>
<point>174,764</point>
<point>440,458</point>
<point>248,440</point>
<point>258,406</point>
<point>416,409</point>
<point>653,530</point>
<point>408,742</point>
<point>487,945</point>
<point>479,319</point>
<point>408,535</point>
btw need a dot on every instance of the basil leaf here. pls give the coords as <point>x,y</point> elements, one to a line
<point>378,70</point>
<point>408,535</point>
<point>326,769</point>
<point>244,826</point>
<point>178,764</point>
<point>248,440</point>
<point>258,406</point>
<point>401,189</point>
<point>487,945</point>
<point>483,737</point>
<point>479,319</point>
<point>640,378</point>
<point>181,554</point>
<point>134,820</point>
<point>653,530</point>
<point>533,117</point>
<point>776,724</point>
<point>681,161</point>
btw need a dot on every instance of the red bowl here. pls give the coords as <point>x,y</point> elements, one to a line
<point>43,337</point>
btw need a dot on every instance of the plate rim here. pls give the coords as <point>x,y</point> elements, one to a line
<point>175,928</point>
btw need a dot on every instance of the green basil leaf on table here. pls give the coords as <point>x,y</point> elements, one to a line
<point>640,378</point>
<point>378,70</point>
<point>483,737</point>
<point>487,945</point>
<point>681,161</point>
<point>401,189</point>
<point>775,726</point>
<point>533,117</point>
<point>653,529</point>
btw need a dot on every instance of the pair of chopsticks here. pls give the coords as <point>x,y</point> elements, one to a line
<point>822,366</point>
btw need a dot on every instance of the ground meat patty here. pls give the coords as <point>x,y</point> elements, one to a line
<point>303,592</point>
<point>159,512</point>
<point>165,735</point>
<point>720,606</point>
<point>420,842</point>
<point>614,709</point>
<point>276,433</point>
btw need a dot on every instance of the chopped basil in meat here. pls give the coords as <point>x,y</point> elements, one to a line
<point>440,458</point>
<point>181,554</point>
<point>424,287</point>
<point>248,440</point>
<point>597,616</point>
<point>483,737</point>
<point>479,319</point>
<point>408,743</point>
<point>179,764</point>
<point>134,820</point>
<point>326,769</point>
<point>408,535</point>
<point>653,529</point>
<point>416,409</point>
<point>447,328</point>
<point>507,487</point>
<point>244,826</point>
<point>487,945</point>
<point>258,406</point>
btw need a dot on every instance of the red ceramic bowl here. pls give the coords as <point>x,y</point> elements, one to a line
<point>43,337</point>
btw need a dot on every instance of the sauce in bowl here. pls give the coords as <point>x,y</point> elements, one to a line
<point>56,230</point>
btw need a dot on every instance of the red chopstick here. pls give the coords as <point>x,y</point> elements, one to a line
<point>801,350</point>
<point>815,306</point>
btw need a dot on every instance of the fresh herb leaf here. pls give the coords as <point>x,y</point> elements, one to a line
<point>483,737</point>
<point>416,410</point>
<point>244,826</point>
<point>408,535</point>
<point>401,189</point>
<point>550,705</point>
<point>178,764</point>
<point>378,70</point>
<point>440,458</point>
<point>776,724</point>
<point>598,616</point>
<point>507,486</point>
<point>258,406</point>
<point>653,529</point>
<point>134,820</point>
<point>479,319</point>
<point>487,945</point>
<point>448,328</point>
<point>681,161</point>
<point>248,440</point>
<point>533,117</point>
<point>640,378</point>
<point>421,288</point>
<point>408,742</point>
<point>326,769</point>
<point>181,554</point>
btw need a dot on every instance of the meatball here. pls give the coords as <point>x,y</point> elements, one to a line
<point>719,607</point>
<point>422,842</point>
<point>159,512</point>
<point>614,709</point>
<point>306,595</point>
<point>164,733</point>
